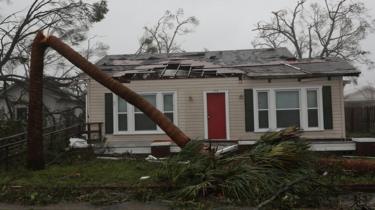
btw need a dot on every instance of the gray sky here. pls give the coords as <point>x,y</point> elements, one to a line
<point>224,24</point>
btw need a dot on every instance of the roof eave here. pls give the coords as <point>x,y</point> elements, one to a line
<point>302,76</point>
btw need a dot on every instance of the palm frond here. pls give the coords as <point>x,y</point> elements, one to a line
<point>276,159</point>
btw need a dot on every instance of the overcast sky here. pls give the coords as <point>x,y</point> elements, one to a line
<point>224,24</point>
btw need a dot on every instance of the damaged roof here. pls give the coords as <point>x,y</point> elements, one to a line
<point>251,63</point>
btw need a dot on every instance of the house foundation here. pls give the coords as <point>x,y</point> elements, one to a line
<point>365,146</point>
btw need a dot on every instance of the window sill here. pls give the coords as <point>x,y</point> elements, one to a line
<point>278,129</point>
<point>313,129</point>
<point>264,130</point>
<point>137,133</point>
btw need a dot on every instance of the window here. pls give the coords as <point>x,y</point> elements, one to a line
<point>287,109</point>
<point>141,121</point>
<point>168,105</point>
<point>280,108</point>
<point>263,109</point>
<point>129,119</point>
<point>2,113</point>
<point>122,115</point>
<point>312,109</point>
<point>21,113</point>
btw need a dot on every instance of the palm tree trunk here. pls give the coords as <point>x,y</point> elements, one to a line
<point>36,74</point>
<point>35,158</point>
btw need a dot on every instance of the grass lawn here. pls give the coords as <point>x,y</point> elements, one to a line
<point>91,173</point>
<point>96,181</point>
<point>104,182</point>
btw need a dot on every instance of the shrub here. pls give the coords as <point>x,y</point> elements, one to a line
<point>11,127</point>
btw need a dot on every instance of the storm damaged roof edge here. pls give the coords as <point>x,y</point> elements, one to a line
<point>197,52</point>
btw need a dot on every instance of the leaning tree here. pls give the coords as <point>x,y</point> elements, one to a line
<point>34,129</point>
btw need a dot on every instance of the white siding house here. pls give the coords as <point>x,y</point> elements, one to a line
<point>55,103</point>
<point>231,95</point>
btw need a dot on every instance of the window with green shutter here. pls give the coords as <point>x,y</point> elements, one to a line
<point>327,107</point>
<point>249,110</point>
<point>108,112</point>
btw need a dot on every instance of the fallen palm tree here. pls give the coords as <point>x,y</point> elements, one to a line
<point>35,120</point>
<point>355,165</point>
<point>277,171</point>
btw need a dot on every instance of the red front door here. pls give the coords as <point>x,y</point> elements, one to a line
<point>216,116</point>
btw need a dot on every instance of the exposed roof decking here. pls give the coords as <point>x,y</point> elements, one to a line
<point>255,64</point>
<point>227,57</point>
<point>305,68</point>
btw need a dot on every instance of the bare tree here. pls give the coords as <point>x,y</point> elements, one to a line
<point>69,19</point>
<point>334,29</point>
<point>161,38</point>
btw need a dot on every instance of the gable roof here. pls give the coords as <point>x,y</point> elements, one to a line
<point>54,90</point>
<point>251,63</point>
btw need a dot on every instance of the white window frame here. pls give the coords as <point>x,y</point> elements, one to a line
<point>272,121</point>
<point>320,110</point>
<point>256,110</point>
<point>131,113</point>
<point>300,107</point>
<point>118,113</point>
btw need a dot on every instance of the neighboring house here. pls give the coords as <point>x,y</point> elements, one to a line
<point>58,104</point>
<point>232,95</point>
<point>363,96</point>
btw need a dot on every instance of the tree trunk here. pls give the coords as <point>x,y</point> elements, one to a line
<point>35,157</point>
<point>116,87</point>
<point>35,107</point>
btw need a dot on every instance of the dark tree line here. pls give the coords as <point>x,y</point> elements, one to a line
<point>324,29</point>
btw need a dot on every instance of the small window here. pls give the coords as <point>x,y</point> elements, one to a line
<point>2,113</point>
<point>141,121</point>
<point>168,105</point>
<point>21,113</point>
<point>312,108</point>
<point>287,108</point>
<point>263,110</point>
<point>122,109</point>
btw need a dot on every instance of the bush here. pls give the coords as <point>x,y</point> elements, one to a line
<point>11,127</point>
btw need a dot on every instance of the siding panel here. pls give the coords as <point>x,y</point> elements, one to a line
<point>190,111</point>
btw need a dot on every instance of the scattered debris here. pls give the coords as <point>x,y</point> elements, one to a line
<point>151,158</point>
<point>231,148</point>
<point>78,143</point>
<point>144,177</point>
<point>108,158</point>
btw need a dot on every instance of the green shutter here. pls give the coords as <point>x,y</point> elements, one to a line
<point>249,110</point>
<point>327,107</point>
<point>108,107</point>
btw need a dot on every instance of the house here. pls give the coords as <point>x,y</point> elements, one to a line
<point>221,95</point>
<point>360,110</point>
<point>59,106</point>
<point>363,96</point>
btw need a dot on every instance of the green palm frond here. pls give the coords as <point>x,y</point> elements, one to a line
<point>275,160</point>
